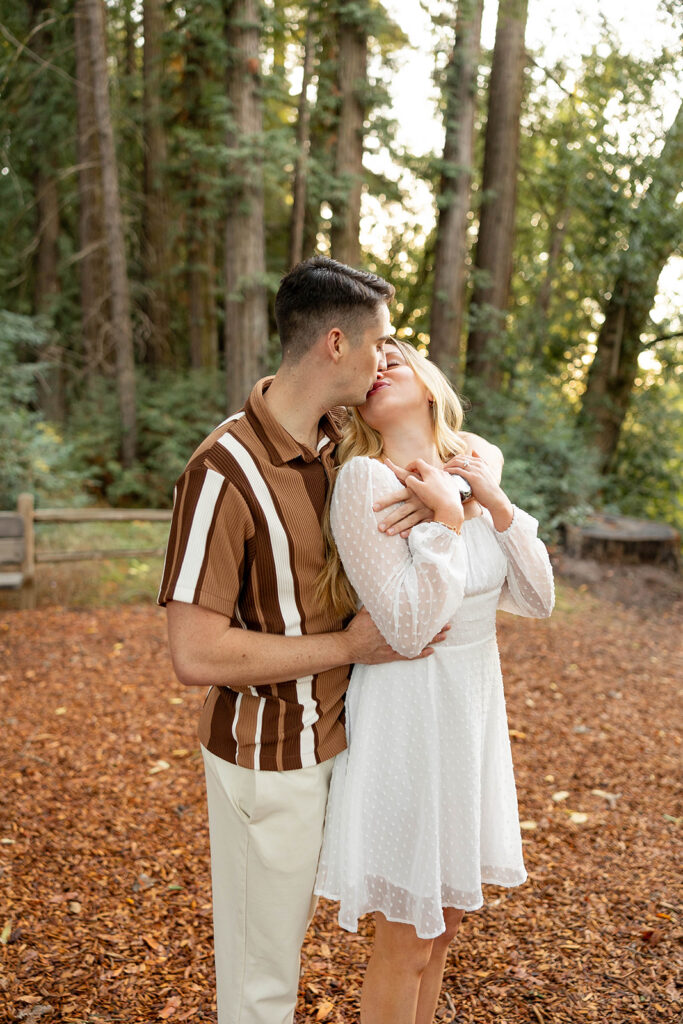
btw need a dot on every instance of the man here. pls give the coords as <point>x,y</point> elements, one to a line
<point>244,553</point>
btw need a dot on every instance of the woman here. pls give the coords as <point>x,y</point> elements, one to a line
<point>422,806</point>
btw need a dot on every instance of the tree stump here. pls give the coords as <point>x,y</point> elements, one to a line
<point>624,540</point>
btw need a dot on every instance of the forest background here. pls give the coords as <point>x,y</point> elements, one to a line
<point>162,164</point>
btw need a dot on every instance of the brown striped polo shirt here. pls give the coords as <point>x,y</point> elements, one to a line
<point>245,541</point>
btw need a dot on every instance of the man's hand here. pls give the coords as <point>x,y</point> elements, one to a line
<point>409,509</point>
<point>367,646</point>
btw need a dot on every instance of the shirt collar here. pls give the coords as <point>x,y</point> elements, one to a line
<point>282,447</point>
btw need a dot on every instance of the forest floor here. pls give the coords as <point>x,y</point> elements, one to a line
<point>105,912</point>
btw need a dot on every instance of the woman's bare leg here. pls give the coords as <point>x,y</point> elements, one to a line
<point>432,977</point>
<point>394,972</point>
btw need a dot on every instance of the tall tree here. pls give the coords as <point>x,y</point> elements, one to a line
<point>303,146</point>
<point>246,315</point>
<point>495,241</point>
<point>454,192</point>
<point>352,78</point>
<point>91,244</point>
<point>120,325</point>
<point>655,236</point>
<point>155,222</point>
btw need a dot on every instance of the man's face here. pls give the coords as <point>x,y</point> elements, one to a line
<point>366,356</point>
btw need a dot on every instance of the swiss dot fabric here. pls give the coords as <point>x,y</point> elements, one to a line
<point>422,806</point>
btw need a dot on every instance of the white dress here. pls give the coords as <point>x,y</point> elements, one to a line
<point>422,806</point>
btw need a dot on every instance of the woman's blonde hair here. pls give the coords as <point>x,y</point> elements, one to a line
<point>359,438</point>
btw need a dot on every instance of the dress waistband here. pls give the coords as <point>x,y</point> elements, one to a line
<point>475,620</point>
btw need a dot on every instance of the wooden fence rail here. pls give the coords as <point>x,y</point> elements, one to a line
<point>33,555</point>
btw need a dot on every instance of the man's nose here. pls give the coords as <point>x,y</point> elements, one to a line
<point>382,364</point>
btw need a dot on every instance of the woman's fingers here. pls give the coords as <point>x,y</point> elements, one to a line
<point>398,471</point>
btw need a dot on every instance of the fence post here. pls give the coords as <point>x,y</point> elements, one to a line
<point>25,509</point>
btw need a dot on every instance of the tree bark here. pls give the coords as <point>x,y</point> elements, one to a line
<point>454,193</point>
<point>155,227</point>
<point>47,288</point>
<point>246,315</point>
<point>121,327</point>
<point>493,261</point>
<point>91,257</point>
<point>352,79</point>
<point>615,366</point>
<point>303,146</point>
<point>203,329</point>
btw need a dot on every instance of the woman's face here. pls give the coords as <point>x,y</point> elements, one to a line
<point>396,394</point>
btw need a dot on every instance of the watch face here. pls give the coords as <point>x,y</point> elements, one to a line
<point>463,487</point>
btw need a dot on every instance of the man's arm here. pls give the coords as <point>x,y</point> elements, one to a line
<point>207,651</point>
<point>411,511</point>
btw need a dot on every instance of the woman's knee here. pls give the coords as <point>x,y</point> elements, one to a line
<point>400,944</point>
<point>452,919</point>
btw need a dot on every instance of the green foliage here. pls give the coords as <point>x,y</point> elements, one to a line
<point>548,469</point>
<point>33,456</point>
<point>647,478</point>
<point>175,413</point>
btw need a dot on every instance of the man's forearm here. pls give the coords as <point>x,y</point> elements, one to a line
<point>207,651</point>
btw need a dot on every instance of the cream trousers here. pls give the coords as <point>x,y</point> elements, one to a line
<point>266,830</point>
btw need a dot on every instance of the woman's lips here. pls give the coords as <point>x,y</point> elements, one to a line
<point>376,386</point>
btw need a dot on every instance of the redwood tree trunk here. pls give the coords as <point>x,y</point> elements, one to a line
<point>121,327</point>
<point>493,261</point>
<point>615,366</point>
<point>91,257</point>
<point>454,193</point>
<point>352,80</point>
<point>246,315</point>
<point>203,329</point>
<point>155,227</point>
<point>303,145</point>
<point>46,290</point>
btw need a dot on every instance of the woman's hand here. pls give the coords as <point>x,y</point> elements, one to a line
<point>485,488</point>
<point>433,486</point>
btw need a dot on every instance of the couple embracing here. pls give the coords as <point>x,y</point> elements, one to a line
<point>358,754</point>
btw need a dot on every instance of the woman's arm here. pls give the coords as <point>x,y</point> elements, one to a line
<point>529,588</point>
<point>411,588</point>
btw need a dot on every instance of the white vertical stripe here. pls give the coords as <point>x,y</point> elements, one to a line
<point>285,590</point>
<point>259,727</point>
<point>278,536</point>
<point>234,727</point>
<point>322,442</point>
<point>163,572</point>
<point>193,560</point>
<point>235,416</point>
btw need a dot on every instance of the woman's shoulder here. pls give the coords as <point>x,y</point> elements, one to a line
<point>363,472</point>
<point>364,467</point>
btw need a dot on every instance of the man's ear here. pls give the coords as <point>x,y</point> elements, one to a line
<point>335,343</point>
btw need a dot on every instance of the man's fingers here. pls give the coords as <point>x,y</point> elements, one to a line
<point>402,512</point>
<point>393,499</point>
<point>406,523</point>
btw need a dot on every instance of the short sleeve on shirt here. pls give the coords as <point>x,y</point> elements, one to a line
<point>210,529</point>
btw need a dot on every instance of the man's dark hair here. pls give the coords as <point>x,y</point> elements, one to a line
<point>320,293</point>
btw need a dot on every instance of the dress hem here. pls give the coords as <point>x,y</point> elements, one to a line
<point>399,920</point>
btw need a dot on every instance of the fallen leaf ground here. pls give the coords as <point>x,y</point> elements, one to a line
<point>105,911</point>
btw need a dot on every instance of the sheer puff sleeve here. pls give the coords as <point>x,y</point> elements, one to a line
<point>528,589</point>
<point>412,587</point>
